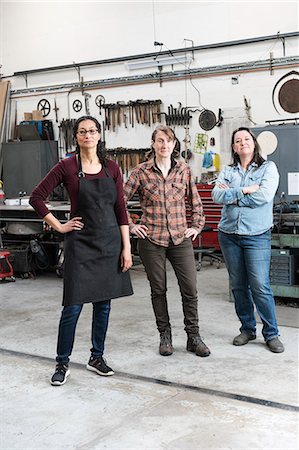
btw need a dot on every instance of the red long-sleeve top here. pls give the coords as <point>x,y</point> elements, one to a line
<point>66,172</point>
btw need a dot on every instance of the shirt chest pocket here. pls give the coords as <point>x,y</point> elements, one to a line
<point>178,191</point>
<point>254,178</point>
<point>151,192</point>
<point>232,180</point>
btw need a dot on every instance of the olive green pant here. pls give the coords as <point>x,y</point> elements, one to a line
<point>181,257</point>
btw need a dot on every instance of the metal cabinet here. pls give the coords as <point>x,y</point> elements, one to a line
<point>25,164</point>
<point>284,276</point>
<point>286,158</point>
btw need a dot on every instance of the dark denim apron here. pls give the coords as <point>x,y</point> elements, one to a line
<point>92,270</point>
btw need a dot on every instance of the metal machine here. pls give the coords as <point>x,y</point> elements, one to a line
<point>280,143</point>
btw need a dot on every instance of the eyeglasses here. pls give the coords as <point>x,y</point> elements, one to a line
<point>92,132</point>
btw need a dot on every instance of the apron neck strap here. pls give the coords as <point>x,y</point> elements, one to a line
<point>80,171</point>
<point>106,171</point>
<point>81,174</point>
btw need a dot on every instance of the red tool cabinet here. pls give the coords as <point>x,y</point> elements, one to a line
<point>212,212</point>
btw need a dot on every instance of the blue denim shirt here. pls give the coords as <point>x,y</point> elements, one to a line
<point>249,214</point>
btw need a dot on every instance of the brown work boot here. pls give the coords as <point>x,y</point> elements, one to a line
<point>165,348</point>
<point>196,345</point>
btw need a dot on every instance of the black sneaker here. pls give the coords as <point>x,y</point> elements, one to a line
<point>99,366</point>
<point>61,373</point>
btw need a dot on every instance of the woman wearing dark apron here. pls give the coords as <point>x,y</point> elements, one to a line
<point>97,251</point>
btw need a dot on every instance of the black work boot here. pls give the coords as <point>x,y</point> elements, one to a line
<point>165,348</point>
<point>196,345</point>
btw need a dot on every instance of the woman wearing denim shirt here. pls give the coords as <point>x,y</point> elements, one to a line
<point>246,188</point>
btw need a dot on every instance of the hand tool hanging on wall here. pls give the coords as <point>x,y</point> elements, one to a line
<point>56,110</point>
<point>103,140</point>
<point>177,116</point>
<point>220,118</point>
<point>143,112</point>
<point>247,110</point>
<point>44,106</point>
<point>120,108</point>
<point>131,113</point>
<point>112,113</point>
<point>187,154</point>
<point>86,99</point>
<point>66,134</point>
<point>128,158</point>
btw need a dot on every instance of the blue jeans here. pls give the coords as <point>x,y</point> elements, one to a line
<point>67,329</point>
<point>247,259</point>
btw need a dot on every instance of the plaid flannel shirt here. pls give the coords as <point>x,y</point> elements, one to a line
<point>163,201</point>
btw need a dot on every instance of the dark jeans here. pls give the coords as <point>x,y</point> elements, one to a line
<point>247,259</point>
<point>67,329</point>
<point>182,260</point>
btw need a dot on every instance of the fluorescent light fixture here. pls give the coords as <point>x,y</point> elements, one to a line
<point>159,61</point>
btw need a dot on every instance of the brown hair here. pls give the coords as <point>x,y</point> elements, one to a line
<point>165,129</point>
<point>171,135</point>
<point>257,158</point>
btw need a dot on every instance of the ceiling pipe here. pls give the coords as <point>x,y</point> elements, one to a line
<point>280,36</point>
<point>232,69</point>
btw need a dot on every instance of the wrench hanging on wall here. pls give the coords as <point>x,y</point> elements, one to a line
<point>86,99</point>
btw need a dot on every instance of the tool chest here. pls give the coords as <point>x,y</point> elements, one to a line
<point>212,213</point>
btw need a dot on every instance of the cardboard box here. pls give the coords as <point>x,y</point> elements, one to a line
<point>27,116</point>
<point>37,115</point>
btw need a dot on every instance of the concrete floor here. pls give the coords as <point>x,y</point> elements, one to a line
<point>238,398</point>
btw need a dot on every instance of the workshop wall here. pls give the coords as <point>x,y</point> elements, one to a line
<point>44,34</point>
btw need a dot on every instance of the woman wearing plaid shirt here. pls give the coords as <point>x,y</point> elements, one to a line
<point>163,185</point>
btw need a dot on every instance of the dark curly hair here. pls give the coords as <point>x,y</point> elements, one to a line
<point>101,152</point>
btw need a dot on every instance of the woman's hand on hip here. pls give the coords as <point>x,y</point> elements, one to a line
<point>126,260</point>
<point>73,224</point>
<point>191,232</point>
<point>139,230</point>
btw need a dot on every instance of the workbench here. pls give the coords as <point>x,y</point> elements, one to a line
<point>25,213</point>
<point>22,225</point>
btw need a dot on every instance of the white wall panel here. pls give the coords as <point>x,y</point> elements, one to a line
<point>43,34</point>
